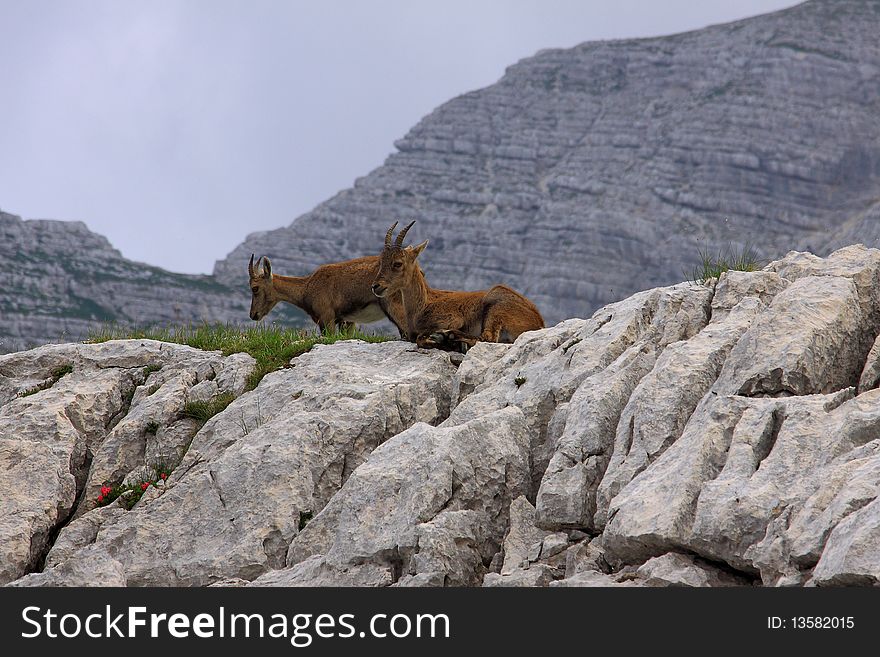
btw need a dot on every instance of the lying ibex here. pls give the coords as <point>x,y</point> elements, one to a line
<point>433,317</point>
<point>337,294</point>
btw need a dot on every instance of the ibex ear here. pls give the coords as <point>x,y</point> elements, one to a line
<point>267,269</point>
<point>416,250</point>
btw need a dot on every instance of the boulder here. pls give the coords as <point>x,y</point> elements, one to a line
<point>430,500</point>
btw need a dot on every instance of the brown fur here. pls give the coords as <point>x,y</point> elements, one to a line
<point>499,314</point>
<point>336,294</point>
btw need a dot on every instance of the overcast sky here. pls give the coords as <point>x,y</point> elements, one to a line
<point>175,128</point>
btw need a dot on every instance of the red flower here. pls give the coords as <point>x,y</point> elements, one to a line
<point>105,490</point>
<point>100,498</point>
<point>163,475</point>
<point>145,486</point>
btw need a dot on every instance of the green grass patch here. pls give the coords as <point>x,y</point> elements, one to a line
<point>205,410</point>
<point>712,265</point>
<point>149,369</point>
<point>272,346</point>
<point>48,383</point>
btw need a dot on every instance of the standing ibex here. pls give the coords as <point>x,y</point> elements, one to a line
<point>432,317</point>
<point>336,294</point>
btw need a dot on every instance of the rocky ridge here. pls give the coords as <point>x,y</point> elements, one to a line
<point>586,174</point>
<point>699,435</point>
<point>58,280</point>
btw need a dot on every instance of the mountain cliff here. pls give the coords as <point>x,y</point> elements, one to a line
<point>589,173</point>
<point>700,435</point>
<point>58,279</point>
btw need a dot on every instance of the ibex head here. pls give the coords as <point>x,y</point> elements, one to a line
<point>262,289</point>
<point>396,264</point>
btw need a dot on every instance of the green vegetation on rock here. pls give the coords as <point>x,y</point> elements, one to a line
<point>270,345</point>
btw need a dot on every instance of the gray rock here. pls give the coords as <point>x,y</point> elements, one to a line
<point>81,532</point>
<point>204,391</point>
<point>665,399</point>
<point>852,553</point>
<point>234,373</point>
<point>675,569</point>
<point>432,499</point>
<point>734,286</point>
<point>521,535</point>
<point>535,575</point>
<point>584,556</point>
<point>567,496</point>
<point>422,579</point>
<point>757,483</point>
<point>99,569</point>
<point>45,439</point>
<point>553,544</point>
<point>870,377</point>
<point>592,579</point>
<point>315,571</point>
<point>472,370</point>
<point>782,354</point>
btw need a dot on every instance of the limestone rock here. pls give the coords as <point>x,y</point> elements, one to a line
<point>807,342</point>
<point>534,575</point>
<point>99,569</point>
<point>584,556</point>
<point>734,286</point>
<point>852,553</point>
<point>431,499</point>
<point>664,400</point>
<point>521,535</point>
<point>758,483</point>
<point>592,579</point>
<point>870,377</point>
<point>675,569</point>
<point>551,365</point>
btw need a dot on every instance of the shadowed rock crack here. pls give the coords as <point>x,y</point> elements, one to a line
<point>768,438</point>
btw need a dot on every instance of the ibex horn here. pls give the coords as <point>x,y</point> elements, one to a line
<point>402,234</point>
<point>388,234</point>
<point>251,266</point>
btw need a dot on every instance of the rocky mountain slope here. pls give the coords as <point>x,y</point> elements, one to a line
<point>58,279</point>
<point>589,173</point>
<point>704,435</point>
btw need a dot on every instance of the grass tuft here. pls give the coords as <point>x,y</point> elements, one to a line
<point>712,265</point>
<point>271,346</point>
<point>54,378</point>
<point>149,369</point>
<point>205,410</point>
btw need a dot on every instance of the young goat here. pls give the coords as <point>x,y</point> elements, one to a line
<point>438,317</point>
<point>336,294</point>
